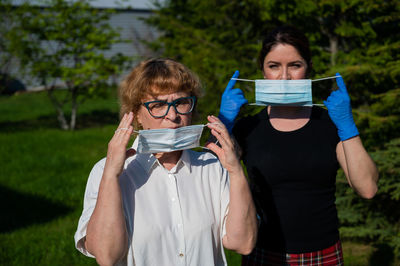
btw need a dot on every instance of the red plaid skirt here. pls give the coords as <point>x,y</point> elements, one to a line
<point>330,256</point>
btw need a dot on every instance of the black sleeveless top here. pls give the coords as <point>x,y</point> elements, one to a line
<point>292,178</point>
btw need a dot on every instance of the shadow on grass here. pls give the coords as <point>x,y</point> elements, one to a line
<point>96,118</point>
<point>383,255</point>
<point>20,210</point>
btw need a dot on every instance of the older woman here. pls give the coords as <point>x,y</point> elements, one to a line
<point>176,207</point>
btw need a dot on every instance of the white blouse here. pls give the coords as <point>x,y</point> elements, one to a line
<point>174,217</point>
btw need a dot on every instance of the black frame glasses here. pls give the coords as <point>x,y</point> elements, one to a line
<point>173,103</point>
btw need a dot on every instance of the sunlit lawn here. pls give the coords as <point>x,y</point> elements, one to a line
<point>43,177</point>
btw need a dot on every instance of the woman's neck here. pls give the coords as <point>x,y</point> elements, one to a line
<point>288,118</point>
<point>289,112</point>
<point>168,159</point>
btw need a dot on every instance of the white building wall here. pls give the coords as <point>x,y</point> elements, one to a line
<point>130,26</point>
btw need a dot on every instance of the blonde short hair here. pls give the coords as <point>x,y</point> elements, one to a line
<point>155,77</point>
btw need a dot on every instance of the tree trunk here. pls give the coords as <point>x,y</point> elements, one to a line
<point>333,40</point>
<point>333,43</point>
<point>74,109</point>
<point>60,113</point>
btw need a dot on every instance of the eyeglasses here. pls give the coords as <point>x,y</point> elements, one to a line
<point>160,109</point>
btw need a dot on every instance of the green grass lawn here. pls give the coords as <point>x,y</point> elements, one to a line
<point>43,176</point>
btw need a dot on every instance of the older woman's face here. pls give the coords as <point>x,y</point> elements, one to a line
<point>284,62</point>
<point>171,120</point>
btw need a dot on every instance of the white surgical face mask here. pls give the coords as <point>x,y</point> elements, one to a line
<point>168,139</point>
<point>296,92</point>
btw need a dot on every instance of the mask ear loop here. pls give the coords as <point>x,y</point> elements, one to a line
<point>216,142</point>
<point>248,80</point>
<point>313,80</point>
<point>333,77</point>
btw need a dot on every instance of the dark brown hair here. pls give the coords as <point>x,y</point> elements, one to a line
<point>286,35</point>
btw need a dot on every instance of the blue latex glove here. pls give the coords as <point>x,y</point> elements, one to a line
<point>339,109</point>
<point>231,101</point>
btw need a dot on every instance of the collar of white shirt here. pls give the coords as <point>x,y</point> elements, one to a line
<point>149,161</point>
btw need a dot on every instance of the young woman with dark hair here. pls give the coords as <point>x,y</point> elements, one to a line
<point>292,153</point>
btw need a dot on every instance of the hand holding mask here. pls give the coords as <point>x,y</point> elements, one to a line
<point>231,102</point>
<point>339,109</point>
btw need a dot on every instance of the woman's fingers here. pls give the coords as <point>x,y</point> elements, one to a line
<point>125,129</point>
<point>226,153</point>
<point>117,153</point>
<point>121,128</point>
<point>122,123</point>
<point>216,149</point>
<point>221,133</point>
<point>125,122</point>
<point>122,135</point>
<point>217,125</point>
<point>218,129</point>
<point>221,138</point>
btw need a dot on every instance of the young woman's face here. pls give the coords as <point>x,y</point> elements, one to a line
<point>171,120</point>
<point>284,62</point>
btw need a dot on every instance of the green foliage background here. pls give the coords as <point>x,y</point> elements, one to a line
<point>44,170</point>
<point>359,39</point>
<point>62,44</point>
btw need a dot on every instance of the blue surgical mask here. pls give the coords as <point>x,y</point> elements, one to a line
<point>168,139</point>
<point>295,92</point>
<point>284,92</point>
